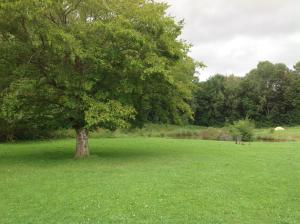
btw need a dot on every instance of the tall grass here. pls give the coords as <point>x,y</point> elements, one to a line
<point>183,132</point>
<point>153,130</point>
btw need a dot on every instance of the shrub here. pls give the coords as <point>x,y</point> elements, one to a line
<point>243,130</point>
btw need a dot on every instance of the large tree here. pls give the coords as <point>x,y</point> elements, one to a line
<point>85,64</point>
<point>217,100</point>
<point>270,94</point>
<point>297,68</point>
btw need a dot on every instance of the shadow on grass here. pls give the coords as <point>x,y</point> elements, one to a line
<point>59,157</point>
<point>129,154</point>
<point>36,156</point>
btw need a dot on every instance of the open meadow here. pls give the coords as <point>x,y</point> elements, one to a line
<point>150,180</point>
<point>149,112</point>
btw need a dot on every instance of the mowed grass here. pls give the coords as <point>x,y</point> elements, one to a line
<point>150,180</point>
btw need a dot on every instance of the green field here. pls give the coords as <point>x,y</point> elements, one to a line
<point>150,180</point>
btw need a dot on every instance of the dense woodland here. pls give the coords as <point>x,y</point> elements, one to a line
<point>269,94</point>
<point>83,65</point>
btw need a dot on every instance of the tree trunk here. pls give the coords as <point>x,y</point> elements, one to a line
<point>82,147</point>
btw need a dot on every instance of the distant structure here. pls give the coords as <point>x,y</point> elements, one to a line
<point>279,129</point>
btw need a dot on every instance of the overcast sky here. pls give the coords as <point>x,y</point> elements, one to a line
<point>231,36</point>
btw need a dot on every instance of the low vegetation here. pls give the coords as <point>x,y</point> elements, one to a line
<point>268,134</point>
<point>150,180</point>
<point>189,132</point>
<point>242,131</point>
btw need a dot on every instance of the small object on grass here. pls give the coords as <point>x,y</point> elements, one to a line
<point>238,140</point>
<point>279,129</point>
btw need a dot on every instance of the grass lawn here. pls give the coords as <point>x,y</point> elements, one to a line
<point>290,134</point>
<point>150,180</point>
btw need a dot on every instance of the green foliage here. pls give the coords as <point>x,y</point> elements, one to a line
<point>268,95</point>
<point>111,115</point>
<point>217,101</point>
<point>243,129</point>
<point>297,67</point>
<point>124,56</point>
<point>18,118</point>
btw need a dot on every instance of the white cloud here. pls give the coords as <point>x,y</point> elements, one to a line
<point>232,36</point>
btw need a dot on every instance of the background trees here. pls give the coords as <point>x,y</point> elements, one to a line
<point>218,101</point>
<point>268,94</point>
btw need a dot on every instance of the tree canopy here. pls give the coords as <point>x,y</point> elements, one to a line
<point>85,64</point>
<point>268,94</point>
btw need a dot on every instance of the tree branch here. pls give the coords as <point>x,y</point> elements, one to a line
<point>73,9</point>
<point>69,11</point>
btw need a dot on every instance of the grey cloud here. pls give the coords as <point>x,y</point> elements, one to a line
<point>219,19</point>
<point>231,36</point>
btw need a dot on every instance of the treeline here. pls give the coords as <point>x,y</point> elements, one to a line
<point>268,94</point>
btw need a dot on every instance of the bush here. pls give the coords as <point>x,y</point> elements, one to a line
<point>23,130</point>
<point>243,130</point>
